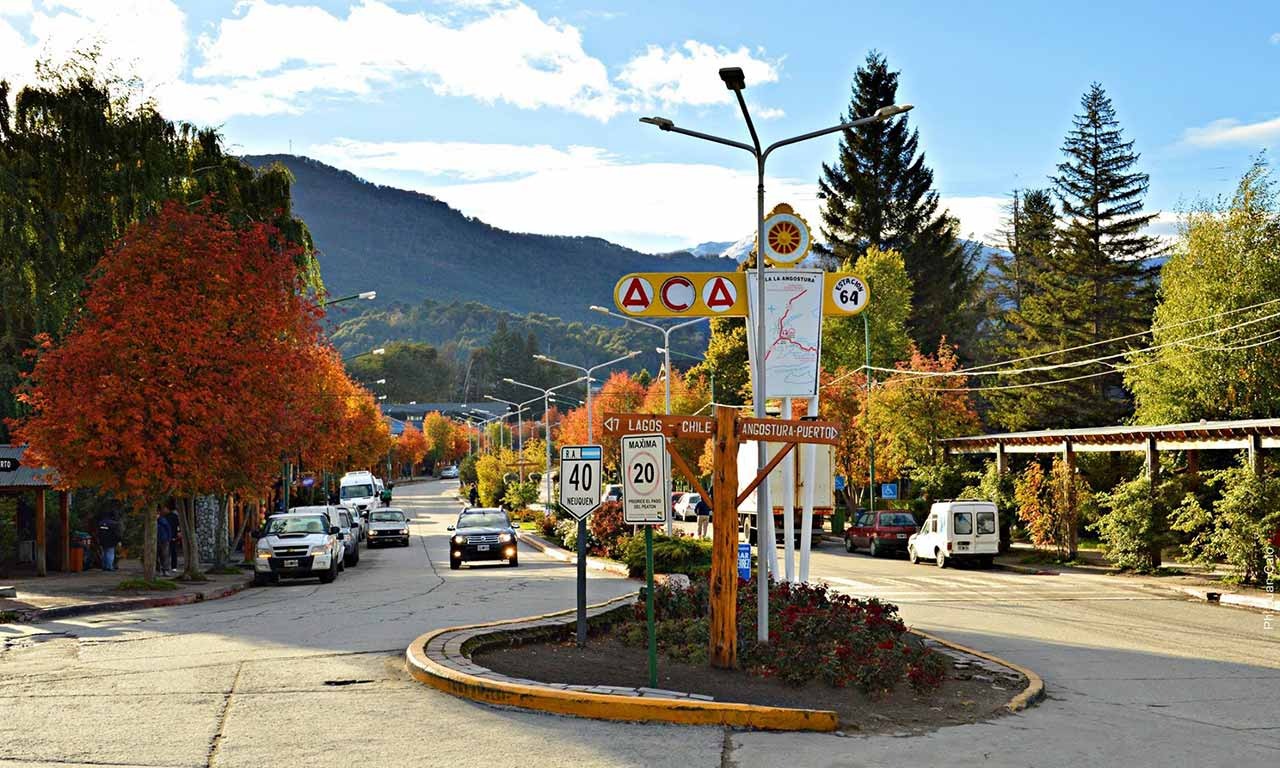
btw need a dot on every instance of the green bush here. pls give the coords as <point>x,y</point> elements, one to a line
<point>1135,526</point>
<point>1235,529</point>
<point>467,470</point>
<point>671,554</point>
<point>519,496</point>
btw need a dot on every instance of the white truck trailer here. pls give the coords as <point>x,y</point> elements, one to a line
<point>823,492</point>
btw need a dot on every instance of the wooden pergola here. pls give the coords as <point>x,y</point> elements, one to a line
<point>1253,436</point>
<point>15,479</point>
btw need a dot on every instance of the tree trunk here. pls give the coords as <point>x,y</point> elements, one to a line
<point>148,515</point>
<point>190,551</point>
<point>220,553</point>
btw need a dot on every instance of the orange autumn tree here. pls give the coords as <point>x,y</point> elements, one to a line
<point>620,394</point>
<point>844,401</point>
<point>412,446</point>
<point>172,381</point>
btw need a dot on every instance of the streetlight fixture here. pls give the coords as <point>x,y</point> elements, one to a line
<point>664,350</point>
<point>589,371</point>
<point>378,351</point>
<point>666,345</point>
<point>363,295</point>
<point>736,81</point>
<point>546,406</point>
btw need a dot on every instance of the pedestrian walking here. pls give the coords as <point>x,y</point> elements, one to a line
<point>108,534</point>
<point>175,537</point>
<point>474,496</point>
<point>703,511</point>
<point>164,535</point>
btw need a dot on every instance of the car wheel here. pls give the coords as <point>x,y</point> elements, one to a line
<point>911,555</point>
<point>987,561</point>
<point>875,547</point>
<point>328,576</point>
<point>342,564</point>
<point>941,558</point>
<point>848,544</point>
<point>454,565</point>
<point>261,579</point>
<point>355,557</point>
<point>514,562</point>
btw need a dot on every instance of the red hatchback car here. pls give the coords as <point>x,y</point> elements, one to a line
<point>880,532</point>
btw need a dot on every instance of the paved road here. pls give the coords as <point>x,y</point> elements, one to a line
<point>312,675</point>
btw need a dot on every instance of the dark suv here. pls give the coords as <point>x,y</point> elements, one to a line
<point>482,534</point>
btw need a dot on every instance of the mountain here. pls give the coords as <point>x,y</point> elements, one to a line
<point>409,246</point>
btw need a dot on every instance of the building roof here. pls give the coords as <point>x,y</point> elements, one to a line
<point>417,411</point>
<point>14,475</point>
<point>1200,434</point>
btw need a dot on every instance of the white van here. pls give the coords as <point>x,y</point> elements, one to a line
<point>959,530</point>
<point>358,491</point>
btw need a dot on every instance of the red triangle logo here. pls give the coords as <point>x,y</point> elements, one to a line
<point>720,297</point>
<point>635,297</point>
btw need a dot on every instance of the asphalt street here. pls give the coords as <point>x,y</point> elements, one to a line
<point>309,674</point>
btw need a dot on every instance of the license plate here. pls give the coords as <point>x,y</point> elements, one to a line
<point>290,563</point>
<point>964,545</point>
<point>902,535</point>
<point>482,547</point>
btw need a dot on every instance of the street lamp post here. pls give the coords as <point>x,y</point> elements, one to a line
<point>364,295</point>
<point>588,371</point>
<point>666,350</point>
<point>735,80</point>
<point>710,371</point>
<point>377,351</point>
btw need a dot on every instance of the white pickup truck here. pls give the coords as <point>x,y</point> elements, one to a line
<point>305,543</point>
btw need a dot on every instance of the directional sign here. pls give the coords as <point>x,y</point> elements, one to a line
<point>8,464</point>
<point>580,479</point>
<point>784,431</point>
<point>675,294</point>
<point>844,294</point>
<point>700,427</point>
<point>644,486</point>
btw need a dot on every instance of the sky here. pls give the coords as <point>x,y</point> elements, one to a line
<point>524,114</point>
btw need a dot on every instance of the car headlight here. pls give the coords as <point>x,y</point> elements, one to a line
<point>404,531</point>
<point>505,537</point>
<point>459,539</point>
<point>319,549</point>
<point>264,553</point>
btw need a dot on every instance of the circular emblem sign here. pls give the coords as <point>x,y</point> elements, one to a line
<point>677,293</point>
<point>786,236</point>
<point>849,294</point>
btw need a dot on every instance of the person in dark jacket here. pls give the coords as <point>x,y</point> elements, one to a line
<point>108,534</point>
<point>703,512</point>
<point>474,496</point>
<point>164,535</point>
<point>175,537</point>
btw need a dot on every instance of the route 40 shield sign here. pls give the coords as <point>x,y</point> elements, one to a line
<point>580,479</point>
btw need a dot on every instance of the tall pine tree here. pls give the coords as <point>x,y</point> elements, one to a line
<point>880,193</point>
<point>1098,283</point>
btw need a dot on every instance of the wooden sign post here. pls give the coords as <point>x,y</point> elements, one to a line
<point>727,430</point>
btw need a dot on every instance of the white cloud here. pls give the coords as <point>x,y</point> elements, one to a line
<point>980,216</point>
<point>1275,38</point>
<point>1229,131</point>
<point>462,160</point>
<point>15,7</point>
<point>686,75</point>
<point>766,113</point>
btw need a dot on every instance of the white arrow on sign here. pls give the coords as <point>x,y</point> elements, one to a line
<point>610,424</point>
<point>580,467</point>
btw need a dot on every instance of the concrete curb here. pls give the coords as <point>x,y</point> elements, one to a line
<point>129,604</point>
<point>482,685</point>
<point>1232,599</point>
<point>1029,696</point>
<point>565,556</point>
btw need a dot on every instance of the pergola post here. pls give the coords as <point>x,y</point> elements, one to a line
<point>1153,461</point>
<point>1255,454</point>
<point>1073,535</point>
<point>1002,459</point>
<point>41,565</point>
<point>64,516</point>
<point>1193,469</point>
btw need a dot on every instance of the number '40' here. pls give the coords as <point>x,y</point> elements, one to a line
<point>580,477</point>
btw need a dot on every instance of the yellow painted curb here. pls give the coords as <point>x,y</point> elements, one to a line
<point>1029,695</point>
<point>602,706</point>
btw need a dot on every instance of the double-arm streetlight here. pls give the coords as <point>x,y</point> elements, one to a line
<point>363,295</point>
<point>736,81</point>
<point>589,371</point>
<point>546,406</point>
<point>669,351</point>
<point>377,351</point>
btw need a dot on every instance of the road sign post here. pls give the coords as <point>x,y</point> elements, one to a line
<point>645,502</point>
<point>580,467</point>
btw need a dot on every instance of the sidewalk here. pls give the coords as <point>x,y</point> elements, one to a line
<point>63,595</point>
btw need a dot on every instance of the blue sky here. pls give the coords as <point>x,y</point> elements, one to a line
<point>524,113</point>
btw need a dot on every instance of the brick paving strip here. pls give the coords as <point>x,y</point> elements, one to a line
<point>442,659</point>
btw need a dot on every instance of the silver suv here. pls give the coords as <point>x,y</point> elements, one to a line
<point>306,542</point>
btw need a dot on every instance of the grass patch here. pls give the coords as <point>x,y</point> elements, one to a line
<point>142,585</point>
<point>226,570</point>
<point>8,617</point>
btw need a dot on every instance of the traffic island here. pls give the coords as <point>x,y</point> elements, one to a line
<point>535,664</point>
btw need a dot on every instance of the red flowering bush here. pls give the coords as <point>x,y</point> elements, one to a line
<point>607,530</point>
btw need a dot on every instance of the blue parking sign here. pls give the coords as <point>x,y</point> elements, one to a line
<point>889,490</point>
<point>744,561</point>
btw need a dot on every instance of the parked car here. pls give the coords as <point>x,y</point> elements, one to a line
<point>675,497</point>
<point>299,544</point>
<point>880,532</point>
<point>388,526</point>
<point>687,507</point>
<point>359,491</point>
<point>612,492</point>
<point>349,534</point>
<point>957,530</point>
<point>483,533</point>
<point>449,473</point>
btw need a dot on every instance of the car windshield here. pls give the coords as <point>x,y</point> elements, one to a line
<point>388,517</point>
<point>693,498</point>
<point>356,491</point>
<point>897,518</point>
<point>279,526</point>
<point>482,520</point>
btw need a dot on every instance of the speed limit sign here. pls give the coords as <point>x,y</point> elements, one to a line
<point>580,479</point>
<point>644,482</point>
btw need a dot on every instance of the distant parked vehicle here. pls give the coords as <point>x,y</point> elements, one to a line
<point>388,526</point>
<point>687,507</point>
<point>349,533</point>
<point>880,532</point>
<point>957,530</point>
<point>449,473</point>
<point>612,492</point>
<point>359,491</point>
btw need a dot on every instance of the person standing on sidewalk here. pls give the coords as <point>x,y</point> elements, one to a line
<point>164,535</point>
<point>108,538</point>
<point>703,511</point>
<point>175,537</point>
